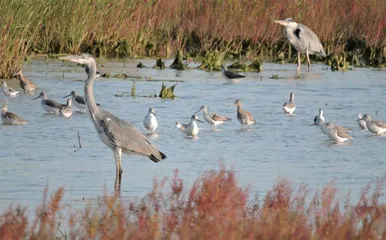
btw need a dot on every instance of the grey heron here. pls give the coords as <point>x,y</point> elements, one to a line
<point>26,84</point>
<point>374,126</point>
<point>8,91</point>
<point>212,118</point>
<point>150,121</point>
<point>303,39</point>
<point>11,118</point>
<point>49,105</point>
<point>117,134</point>
<point>244,117</point>
<point>232,77</point>
<point>290,107</point>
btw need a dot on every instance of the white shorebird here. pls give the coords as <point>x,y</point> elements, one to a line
<point>190,129</point>
<point>319,119</point>
<point>150,121</point>
<point>374,126</point>
<point>361,121</point>
<point>117,134</point>
<point>244,117</point>
<point>50,106</point>
<point>8,91</point>
<point>231,77</point>
<point>66,111</point>
<point>335,133</point>
<point>212,118</point>
<point>290,107</point>
<point>11,118</point>
<point>26,84</point>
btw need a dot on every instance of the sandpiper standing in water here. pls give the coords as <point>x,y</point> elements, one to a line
<point>290,107</point>
<point>150,121</point>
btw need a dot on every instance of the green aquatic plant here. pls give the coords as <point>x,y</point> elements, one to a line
<point>132,92</point>
<point>178,62</point>
<point>167,92</point>
<point>159,64</point>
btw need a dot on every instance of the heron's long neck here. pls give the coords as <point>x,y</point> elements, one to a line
<point>88,89</point>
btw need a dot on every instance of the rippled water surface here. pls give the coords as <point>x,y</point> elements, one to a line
<point>43,153</point>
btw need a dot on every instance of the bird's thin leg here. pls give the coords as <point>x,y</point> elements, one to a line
<point>298,69</point>
<point>308,60</point>
<point>118,164</point>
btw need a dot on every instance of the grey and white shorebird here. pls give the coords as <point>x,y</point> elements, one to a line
<point>26,84</point>
<point>290,107</point>
<point>78,100</point>
<point>361,122</point>
<point>8,91</point>
<point>212,118</point>
<point>374,126</point>
<point>117,134</point>
<point>335,133</point>
<point>244,117</point>
<point>150,121</point>
<point>66,111</point>
<point>50,106</point>
<point>190,129</point>
<point>319,119</point>
<point>10,118</point>
<point>303,39</point>
<point>231,77</point>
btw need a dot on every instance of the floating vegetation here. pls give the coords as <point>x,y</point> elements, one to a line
<point>132,92</point>
<point>276,77</point>
<point>167,92</point>
<point>238,66</point>
<point>159,64</point>
<point>177,63</point>
<point>337,62</point>
<point>212,60</point>
<point>255,66</point>
<point>140,65</point>
<point>120,75</point>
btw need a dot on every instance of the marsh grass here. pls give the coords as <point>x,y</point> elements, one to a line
<point>158,28</point>
<point>214,207</point>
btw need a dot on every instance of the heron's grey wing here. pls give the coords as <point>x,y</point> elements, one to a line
<point>233,75</point>
<point>216,117</point>
<point>54,104</point>
<point>80,100</point>
<point>309,40</point>
<point>122,134</point>
<point>379,123</point>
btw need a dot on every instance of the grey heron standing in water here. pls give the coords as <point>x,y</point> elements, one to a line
<point>303,39</point>
<point>117,134</point>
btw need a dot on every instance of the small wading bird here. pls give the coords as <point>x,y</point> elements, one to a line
<point>303,39</point>
<point>150,121</point>
<point>335,133</point>
<point>11,118</point>
<point>244,117</point>
<point>361,121</point>
<point>26,84</point>
<point>290,107</point>
<point>66,111</point>
<point>190,129</point>
<point>117,134</point>
<point>319,119</point>
<point>50,106</point>
<point>374,126</point>
<point>8,91</point>
<point>212,118</point>
<point>231,77</point>
<point>78,100</point>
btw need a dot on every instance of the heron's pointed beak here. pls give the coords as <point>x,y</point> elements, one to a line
<point>67,96</point>
<point>281,22</point>
<point>36,97</point>
<point>72,58</point>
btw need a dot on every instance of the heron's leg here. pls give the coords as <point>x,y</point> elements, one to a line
<point>298,69</point>
<point>308,60</point>
<point>118,164</point>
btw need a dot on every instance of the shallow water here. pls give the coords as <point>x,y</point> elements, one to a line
<point>43,153</point>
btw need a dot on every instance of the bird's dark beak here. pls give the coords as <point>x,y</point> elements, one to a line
<point>154,114</point>
<point>67,96</point>
<point>200,120</point>
<point>36,97</point>
<point>197,111</point>
<point>314,123</point>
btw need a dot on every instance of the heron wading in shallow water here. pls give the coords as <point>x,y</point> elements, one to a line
<point>117,134</point>
<point>303,39</point>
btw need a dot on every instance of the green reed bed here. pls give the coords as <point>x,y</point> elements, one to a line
<point>214,207</point>
<point>200,28</point>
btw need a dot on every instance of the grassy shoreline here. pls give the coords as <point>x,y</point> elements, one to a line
<point>214,207</point>
<point>354,30</point>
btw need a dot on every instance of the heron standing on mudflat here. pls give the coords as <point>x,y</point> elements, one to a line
<point>117,134</point>
<point>303,39</point>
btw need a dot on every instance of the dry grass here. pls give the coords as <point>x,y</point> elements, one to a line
<point>215,207</point>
